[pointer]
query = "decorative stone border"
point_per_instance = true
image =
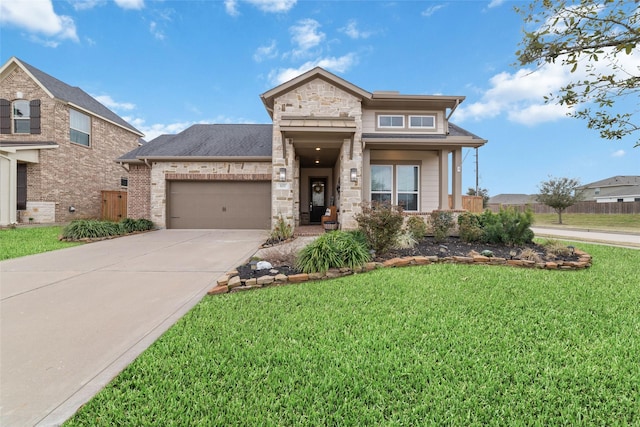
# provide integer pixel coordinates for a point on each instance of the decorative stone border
(231, 281)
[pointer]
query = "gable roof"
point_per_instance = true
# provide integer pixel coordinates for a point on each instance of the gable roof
(72, 95)
(512, 199)
(377, 99)
(614, 181)
(208, 141)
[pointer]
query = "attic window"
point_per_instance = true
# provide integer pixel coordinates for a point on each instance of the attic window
(385, 121)
(422, 122)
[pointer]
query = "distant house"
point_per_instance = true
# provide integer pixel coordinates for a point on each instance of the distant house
(330, 144)
(614, 189)
(57, 148)
(512, 200)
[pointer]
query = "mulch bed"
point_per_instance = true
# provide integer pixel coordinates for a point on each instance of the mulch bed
(450, 247)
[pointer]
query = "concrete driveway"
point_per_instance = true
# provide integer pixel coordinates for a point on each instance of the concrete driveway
(72, 319)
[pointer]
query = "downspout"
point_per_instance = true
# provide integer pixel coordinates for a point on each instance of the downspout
(450, 113)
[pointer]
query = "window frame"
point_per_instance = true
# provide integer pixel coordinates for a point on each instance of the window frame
(25, 120)
(432, 116)
(380, 116)
(79, 131)
(415, 192)
(395, 192)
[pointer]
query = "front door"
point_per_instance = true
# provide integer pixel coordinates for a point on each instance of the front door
(318, 203)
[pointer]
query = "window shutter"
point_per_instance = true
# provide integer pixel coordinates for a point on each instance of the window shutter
(5, 116)
(34, 106)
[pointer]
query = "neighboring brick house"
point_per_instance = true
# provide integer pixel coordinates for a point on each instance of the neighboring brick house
(57, 146)
(330, 144)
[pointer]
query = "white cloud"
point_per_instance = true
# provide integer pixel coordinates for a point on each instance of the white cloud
(38, 16)
(231, 6)
(157, 33)
(338, 65)
(270, 6)
(495, 3)
(110, 103)
(432, 9)
(306, 34)
(87, 4)
(130, 4)
(619, 153)
(352, 31)
(266, 52)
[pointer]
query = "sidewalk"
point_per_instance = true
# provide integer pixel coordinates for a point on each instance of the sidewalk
(594, 236)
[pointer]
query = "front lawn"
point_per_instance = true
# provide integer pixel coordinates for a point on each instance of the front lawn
(22, 241)
(614, 222)
(434, 345)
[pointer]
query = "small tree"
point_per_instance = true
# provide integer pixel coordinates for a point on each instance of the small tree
(559, 194)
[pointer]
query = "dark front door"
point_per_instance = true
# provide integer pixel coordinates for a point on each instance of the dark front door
(22, 187)
(318, 198)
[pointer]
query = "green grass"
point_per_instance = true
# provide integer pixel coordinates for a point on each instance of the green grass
(432, 345)
(22, 241)
(615, 222)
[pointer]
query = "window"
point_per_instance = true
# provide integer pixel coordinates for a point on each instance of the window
(407, 196)
(124, 181)
(390, 121)
(21, 117)
(423, 122)
(381, 183)
(406, 189)
(80, 125)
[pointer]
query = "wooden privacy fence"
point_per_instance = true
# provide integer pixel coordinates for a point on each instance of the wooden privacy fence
(586, 207)
(114, 205)
(469, 203)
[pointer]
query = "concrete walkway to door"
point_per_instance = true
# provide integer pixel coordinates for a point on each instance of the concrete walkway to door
(72, 319)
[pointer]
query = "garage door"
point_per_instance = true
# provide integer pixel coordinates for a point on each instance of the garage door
(219, 204)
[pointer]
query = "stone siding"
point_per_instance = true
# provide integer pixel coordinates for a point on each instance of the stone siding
(72, 174)
(316, 98)
(200, 171)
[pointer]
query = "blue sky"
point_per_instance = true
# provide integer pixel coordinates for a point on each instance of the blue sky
(165, 65)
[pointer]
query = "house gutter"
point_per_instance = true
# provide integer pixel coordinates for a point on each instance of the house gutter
(206, 158)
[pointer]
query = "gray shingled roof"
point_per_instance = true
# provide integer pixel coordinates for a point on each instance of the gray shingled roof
(216, 140)
(512, 199)
(76, 96)
(614, 181)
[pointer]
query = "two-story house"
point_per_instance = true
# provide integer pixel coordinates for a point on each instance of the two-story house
(57, 148)
(331, 143)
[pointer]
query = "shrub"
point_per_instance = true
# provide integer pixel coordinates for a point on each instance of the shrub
(469, 225)
(508, 226)
(130, 225)
(556, 248)
(281, 231)
(405, 240)
(280, 255)
(416, 227)
(90, 229)
(380, 223)
(442, 223)
(336, 249)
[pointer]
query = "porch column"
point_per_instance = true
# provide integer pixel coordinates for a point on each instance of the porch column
(8, 190)
(456, 179)
(443, 188)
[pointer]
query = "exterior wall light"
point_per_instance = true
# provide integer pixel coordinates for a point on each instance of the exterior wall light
(354, 175)
(72, 209)
(283, 174)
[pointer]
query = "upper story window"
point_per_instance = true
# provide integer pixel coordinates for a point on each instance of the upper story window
(21, 116)
(389, 121)
(422, 122)
(80, 128)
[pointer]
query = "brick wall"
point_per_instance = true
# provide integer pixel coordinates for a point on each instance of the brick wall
(139, 193)
(72, 174)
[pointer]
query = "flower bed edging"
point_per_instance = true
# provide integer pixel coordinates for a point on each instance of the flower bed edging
(231, 281)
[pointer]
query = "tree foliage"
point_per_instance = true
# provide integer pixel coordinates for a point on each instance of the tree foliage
(559, 194)
(593, 37)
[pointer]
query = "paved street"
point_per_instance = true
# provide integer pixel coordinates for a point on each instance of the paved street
(620, 239)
